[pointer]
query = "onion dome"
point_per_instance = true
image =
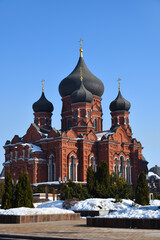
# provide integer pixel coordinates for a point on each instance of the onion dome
(43, 105)
(71, 83)
(120, 104)
(81, 95)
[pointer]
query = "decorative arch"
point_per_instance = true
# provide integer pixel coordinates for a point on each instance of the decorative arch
(122, 167)
(52, 168)
(128, 171)
(116, 165)
(72, 166)
(92, 162)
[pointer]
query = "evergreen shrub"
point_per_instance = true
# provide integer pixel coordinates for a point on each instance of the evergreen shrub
(142, 190)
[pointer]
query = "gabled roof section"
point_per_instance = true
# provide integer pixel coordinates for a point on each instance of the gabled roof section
(16, 139)
(121, 135)
(71, 134)
(54, 133)
(33, 133)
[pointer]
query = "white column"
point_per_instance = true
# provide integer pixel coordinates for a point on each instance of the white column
(69, 170)
(125, 172)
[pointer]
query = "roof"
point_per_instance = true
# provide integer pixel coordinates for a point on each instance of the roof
(120, 104)
(43, 105)
(72, 82)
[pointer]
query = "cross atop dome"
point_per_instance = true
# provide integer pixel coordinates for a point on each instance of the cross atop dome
(119, 84)
(43, 85)
(81, 50)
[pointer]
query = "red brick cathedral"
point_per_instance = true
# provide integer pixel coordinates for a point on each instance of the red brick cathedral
(50, 155)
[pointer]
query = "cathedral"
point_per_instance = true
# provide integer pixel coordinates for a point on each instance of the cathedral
(58, 155)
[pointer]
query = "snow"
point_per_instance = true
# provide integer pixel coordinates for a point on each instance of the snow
(52, 204)
(54, 183)
(151, 174)
(101, 134)
(34, 211)
(124, 209)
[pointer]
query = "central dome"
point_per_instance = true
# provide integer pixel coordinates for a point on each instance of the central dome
(71, 83)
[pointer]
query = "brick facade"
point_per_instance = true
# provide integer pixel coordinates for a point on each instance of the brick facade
(48, 154)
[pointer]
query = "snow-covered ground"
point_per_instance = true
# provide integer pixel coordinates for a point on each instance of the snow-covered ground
(124, 209)
(34, 211)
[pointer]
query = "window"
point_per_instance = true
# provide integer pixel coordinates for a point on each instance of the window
(23, 154)
(88, 114)
(128, 172)
(116, 166)
(76, 114)
(122, 167)
(95, 124)
(125, 121)
(51, 169)
(69, 124)
(47, 122)
(93, 164)
(29, 152)
(72, 169)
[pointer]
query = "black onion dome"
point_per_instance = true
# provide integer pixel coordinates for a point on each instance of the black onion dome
(120, 104)
(43, 105)
(71, 83)
(81, 95)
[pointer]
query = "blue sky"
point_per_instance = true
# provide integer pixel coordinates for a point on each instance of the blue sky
(39, 39)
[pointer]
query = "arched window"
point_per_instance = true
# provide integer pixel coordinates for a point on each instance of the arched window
(69, 124)
(125, 121)
(51, 169)
(122, 167)
(93, 164)
(73, 169)
(95, 124)
(128, 172)
(116, 166)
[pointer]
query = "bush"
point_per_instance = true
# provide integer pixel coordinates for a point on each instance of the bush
(71, 190)
(90, 180)
(23, 192)
(142, 191)
(7, 199)
(2, 184)
(119, 188)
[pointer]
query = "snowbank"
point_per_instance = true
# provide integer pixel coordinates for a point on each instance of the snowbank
(34, 211)
(124, 209)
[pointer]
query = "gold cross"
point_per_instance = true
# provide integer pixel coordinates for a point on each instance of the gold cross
(43, 85)
(119, 79)
(81, 77)
(80, 41)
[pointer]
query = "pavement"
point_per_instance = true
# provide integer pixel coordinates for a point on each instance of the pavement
(77, 230)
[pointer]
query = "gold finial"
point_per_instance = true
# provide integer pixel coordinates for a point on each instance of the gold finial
(119, 79)
(81, 50)
(81, 77)
(43, 85)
